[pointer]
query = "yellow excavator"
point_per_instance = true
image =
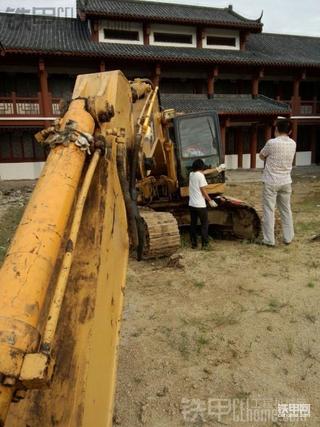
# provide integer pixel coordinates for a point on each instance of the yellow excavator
(116, 178)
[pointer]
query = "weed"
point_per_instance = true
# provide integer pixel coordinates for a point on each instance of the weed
(289, 343)
(311, 285)
(199, 284)
(274, 306)
(308, 353)
(201, 341)
(184, 345)
(311, 317)
(313, 264)
(307, 227)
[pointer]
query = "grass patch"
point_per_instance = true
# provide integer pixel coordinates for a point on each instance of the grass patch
(289, 345)
(274, 306)
(311, 285)
(199, 285)
(8, 225)
(184, 345)
(201, 342)
(307, 227)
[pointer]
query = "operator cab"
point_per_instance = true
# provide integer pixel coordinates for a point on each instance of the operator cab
(197, 135)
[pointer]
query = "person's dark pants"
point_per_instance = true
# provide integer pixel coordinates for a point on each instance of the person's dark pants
(201, 213)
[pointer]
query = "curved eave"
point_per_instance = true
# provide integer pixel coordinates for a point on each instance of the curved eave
(254, 26)
(158, 58)
(254, 113)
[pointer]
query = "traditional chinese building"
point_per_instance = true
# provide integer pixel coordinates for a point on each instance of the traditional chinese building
(201, 57)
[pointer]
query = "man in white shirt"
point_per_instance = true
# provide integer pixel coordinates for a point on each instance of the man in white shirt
(197, 202)
(278, 154)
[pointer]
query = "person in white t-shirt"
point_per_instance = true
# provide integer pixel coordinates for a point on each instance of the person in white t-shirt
(278, 154)
(197, 202)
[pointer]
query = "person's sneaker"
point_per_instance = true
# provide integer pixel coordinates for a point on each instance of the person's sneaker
(206, 247)
(258, 241)
(194, 246)
(287, 243)
(267, 244)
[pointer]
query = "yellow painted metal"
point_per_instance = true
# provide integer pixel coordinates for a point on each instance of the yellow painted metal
(87, 338)
(6, 394)
(29, 263)
(55, 307)
(218, 188)
(149, 111)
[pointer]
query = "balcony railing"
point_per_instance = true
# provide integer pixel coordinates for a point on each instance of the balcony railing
(24, 107)
(305, 108)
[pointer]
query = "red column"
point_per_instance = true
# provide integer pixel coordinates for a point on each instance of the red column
(295, 97)
(102, 66)
(200, 36)
(313, 143)
(253, 146)
(267, 132)
(95, 31)
(146, 33)
(214, 73)
(239, 144)
(223, 139)
(157, 73)
(255, 87)
(43, 76)
(243, 39)
(210, 85)
(255, 83)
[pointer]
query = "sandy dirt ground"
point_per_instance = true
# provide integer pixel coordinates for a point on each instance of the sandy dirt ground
(226, 335)
(236, 327)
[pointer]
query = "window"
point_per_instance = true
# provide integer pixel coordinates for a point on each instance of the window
(172, 35)
(172, 38)
(20, 146)
(121, 32)
(121, 35)
(221, 41)
(198, 138)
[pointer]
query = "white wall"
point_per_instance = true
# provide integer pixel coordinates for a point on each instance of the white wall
(231, 161)
(303, 158)
(24, 170)
(259, 163)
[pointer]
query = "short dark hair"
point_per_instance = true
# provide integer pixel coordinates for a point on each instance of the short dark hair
(198, 165)
(284, 126)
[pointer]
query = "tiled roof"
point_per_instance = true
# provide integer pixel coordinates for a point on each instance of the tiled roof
(167, 12)
(63, 36)
(228, 104)
(41, 34)
(286, 48)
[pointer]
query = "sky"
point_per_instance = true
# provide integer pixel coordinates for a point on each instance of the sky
(300, 17)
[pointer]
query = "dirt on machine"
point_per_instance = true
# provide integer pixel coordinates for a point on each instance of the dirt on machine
(115, 181)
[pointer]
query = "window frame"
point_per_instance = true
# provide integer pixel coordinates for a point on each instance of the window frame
(211, 32)
(173, 29)
(120, 26)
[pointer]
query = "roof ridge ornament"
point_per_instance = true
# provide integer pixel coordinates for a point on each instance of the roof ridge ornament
(260, 17)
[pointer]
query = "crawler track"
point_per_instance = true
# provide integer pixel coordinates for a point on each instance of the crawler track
(162, 236)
